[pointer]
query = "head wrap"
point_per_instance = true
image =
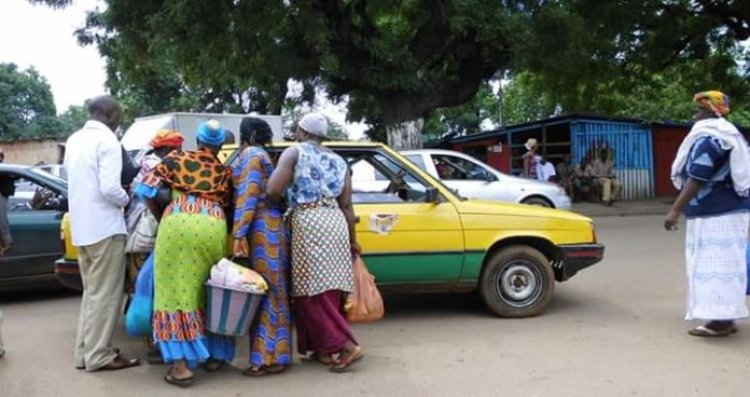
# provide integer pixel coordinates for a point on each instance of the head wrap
(531, 143)
(714, 101)
(167, 138)
(315, 124)
(211, 133)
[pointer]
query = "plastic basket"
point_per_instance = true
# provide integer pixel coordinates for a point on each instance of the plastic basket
(230, 312)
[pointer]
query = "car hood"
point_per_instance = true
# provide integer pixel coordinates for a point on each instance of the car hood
(483, 207)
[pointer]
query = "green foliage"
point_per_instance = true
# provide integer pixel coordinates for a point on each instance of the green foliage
(402, 60)
(525, 99)
(27, 109)
(466, 118)
(74, 118)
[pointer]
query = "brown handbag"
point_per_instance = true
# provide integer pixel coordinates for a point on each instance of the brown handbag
(364, 304)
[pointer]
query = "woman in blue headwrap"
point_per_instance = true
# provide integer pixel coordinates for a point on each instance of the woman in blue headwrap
(192, 237)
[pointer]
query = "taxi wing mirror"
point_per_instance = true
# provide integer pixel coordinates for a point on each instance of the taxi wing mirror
(432, 195)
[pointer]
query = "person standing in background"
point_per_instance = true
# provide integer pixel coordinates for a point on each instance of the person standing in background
(531, 159)
(7, 189)
(93, 161)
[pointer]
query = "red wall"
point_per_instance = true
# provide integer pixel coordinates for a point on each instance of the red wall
(499, 161)
(666, 142)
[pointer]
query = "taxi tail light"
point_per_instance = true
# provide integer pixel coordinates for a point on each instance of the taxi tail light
(62, 243)
(594, 238)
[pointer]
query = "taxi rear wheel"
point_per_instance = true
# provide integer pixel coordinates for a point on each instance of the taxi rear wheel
(517, 281)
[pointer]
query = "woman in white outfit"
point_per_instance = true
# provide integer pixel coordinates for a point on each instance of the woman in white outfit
(712, 170)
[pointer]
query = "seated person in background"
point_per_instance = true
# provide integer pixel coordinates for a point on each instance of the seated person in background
(584, 181)
(566, 175)
(604, 173)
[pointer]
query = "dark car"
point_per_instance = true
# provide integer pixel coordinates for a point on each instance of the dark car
(35, 212)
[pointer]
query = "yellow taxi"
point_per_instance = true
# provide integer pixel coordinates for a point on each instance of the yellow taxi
(419, 235)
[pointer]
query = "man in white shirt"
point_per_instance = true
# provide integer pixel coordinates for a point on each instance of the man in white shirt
(93, 160)
(545, 170)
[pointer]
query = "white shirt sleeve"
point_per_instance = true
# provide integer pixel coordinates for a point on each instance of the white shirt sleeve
(109, 157)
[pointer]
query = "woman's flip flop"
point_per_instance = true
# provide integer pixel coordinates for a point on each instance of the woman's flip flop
(178, 382)
(706, 332)
(324, 360)
(345, 363)
(270, 370)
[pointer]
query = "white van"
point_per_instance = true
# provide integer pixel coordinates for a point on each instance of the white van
(140, 133)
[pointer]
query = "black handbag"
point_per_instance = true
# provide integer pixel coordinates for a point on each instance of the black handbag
(163, 196)
(129, 168)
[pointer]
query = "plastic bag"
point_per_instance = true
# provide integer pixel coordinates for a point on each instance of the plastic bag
(140, 312)
(143, 238)
(232, 275)
(364, 304)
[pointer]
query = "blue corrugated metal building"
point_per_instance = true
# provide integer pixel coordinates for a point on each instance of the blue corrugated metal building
(627, 141)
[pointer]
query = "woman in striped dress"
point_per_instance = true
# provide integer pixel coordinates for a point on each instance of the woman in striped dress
(259, 234)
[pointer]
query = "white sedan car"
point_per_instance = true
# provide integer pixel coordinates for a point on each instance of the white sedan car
(475, 179)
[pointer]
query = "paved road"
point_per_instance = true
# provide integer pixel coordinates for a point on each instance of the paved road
(614, 330)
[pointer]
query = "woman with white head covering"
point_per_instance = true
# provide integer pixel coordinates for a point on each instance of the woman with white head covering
(712, 172)
(319, 193)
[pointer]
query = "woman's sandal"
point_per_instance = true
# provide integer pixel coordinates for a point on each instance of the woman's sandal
(169, 378)
(214, 365)
(267, 370)
(707, 332)
(324, 360)
(344, 363)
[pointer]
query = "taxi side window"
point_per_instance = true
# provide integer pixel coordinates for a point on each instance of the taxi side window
(378, 179)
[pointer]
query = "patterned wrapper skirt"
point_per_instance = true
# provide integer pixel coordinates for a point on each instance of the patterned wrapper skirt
(271, 334)
(192, 238)
(321, 251)
(715, 250)
(322, 274)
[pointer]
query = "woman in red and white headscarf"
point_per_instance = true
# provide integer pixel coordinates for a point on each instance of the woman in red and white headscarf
(712, 170)
(165, 142)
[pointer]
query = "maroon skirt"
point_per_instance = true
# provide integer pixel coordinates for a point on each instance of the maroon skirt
(321, 323)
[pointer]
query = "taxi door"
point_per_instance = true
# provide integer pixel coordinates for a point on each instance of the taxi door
(408, 233)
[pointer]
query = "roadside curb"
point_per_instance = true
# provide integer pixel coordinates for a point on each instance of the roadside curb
(624, 209)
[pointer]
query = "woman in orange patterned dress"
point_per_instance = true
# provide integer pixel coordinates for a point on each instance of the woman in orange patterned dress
(191, 238)
(259, 234)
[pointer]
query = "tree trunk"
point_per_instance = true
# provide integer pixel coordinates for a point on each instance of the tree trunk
(406, 135)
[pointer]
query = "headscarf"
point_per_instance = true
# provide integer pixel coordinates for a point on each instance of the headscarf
(168, 139)
(211, 133)
(530, 144)
(714, 101)
(315, 124)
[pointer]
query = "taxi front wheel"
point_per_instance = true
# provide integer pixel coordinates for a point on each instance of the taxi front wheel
(517, 281)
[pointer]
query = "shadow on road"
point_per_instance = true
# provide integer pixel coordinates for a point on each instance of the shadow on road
(36, 294)
(431, 305)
